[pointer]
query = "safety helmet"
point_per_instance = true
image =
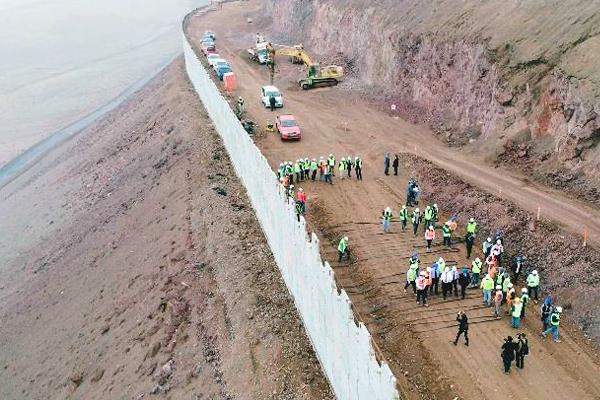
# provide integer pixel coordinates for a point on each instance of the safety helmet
(498, 241)
(356, 158)
(346, 238)
(446, 269)
(416, 210)
(489, 239)
(388, 209)
(498, 287)
(428, 269)
(477, 259)
(321, 157)
(524, 290)
(281, 179)
(291, 186)
(510, 285)
(435, 205)
(472, 219)
(558, 309)
(330, 155)
(422, 273)
(454, 268)
(300, 190)
(314, 159)
(428, 207)
(440, 260)
(347, 158)
(430, 226)
(343, 159)
(403, 207)
(534, 272)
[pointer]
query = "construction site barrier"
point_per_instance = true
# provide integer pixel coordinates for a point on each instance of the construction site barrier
(344, 347)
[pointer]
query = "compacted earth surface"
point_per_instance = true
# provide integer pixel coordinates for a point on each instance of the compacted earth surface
(133, 267)
(417, 341)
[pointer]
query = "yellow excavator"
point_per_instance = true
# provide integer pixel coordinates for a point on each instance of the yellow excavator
(316, 75)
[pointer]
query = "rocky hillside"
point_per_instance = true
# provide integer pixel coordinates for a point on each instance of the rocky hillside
(516, 80)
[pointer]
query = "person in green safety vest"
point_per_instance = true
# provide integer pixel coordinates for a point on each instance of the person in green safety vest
(331, 163)
(306, 164)
(487, 285)
(416, 220)
(343, 248)
(533, 284)
(471, 226)
(447, 234)
(412, 272)
(554, 320)
(313, 169)
(297, 170)
(524, 300)
(289, 171)
(475, 272)
(403, 216)
(428, 217)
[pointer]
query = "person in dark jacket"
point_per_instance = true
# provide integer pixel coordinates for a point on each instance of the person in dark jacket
(463, 280)
(272, 102)
(463, 327)
(522, 349)
(386, 164)
(546, 309)
(469, 241)
(395, 164)
(508, 353)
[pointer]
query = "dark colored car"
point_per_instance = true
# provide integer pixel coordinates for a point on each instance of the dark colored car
(222, 70)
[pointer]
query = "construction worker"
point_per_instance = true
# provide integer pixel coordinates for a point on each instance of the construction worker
(436, 213)
(522, 349)
(511, 296)
(301, 197)
(455, 276)
(486, 247)
(306, 168)
(434, 277)
(280, 171)
(516, 309)
(475, 272)
(428, 217)
(395, 164)
(322, 169)
(328, 173)
(403, 216)
(554, 322)
(386, 217)
(289, 171)
(386, 163)
(297, 170)
(259, 38)
(506, 284)
(349, 165)
(471, 227)
(524, 301)
(239, 107)
(291, 193)
(447, 277)
(429, 237)
(498, 251)
(545, 311)
(533, 284)
(342, 167)
(463, 280)
(508, 353)
(498, 296)
(343, 248)
(487, 285)
(331, 163)
(299, 209)
(411, 274)
(416, 220)
(469, 242)
(491, 265)
(358, 168)
(517, 266)
(421, 284)
(447, 234)
(313, 169)
(463, 327)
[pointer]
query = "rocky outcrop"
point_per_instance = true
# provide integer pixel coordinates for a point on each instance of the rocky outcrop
(491, 75)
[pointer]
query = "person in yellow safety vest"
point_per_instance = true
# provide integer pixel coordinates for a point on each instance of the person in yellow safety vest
(411, 276)
(297, 170)
(403, 216)
(533, 284)
(475, 272)
(471, 226)
(447, 234)
(331, 163)
(421, 285)
(487, 285)
(554, 323)
(524, 300)
(343, 248)
(313, 169)
(517, 308)
(342, 168)
(505, 285)
(306, 168)
(428, 217)
(416, 220)
(386, 217)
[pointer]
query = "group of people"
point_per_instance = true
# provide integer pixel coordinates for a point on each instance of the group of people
(305, 169)
(514, 351)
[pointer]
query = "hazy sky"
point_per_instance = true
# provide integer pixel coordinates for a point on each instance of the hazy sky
(61, 59)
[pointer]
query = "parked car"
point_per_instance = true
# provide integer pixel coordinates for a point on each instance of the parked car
(210, 34)
(266, 92)
(208, 48)
(287, 127)
(219, 62)
(210, 58)
(222, 70)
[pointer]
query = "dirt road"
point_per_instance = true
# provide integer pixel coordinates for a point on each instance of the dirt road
(416, 341)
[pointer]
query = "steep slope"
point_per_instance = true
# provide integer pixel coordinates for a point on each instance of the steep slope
(516, 81)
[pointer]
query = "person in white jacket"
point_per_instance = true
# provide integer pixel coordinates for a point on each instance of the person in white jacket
(447, 278)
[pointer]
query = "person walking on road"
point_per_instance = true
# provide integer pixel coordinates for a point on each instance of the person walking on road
(545, 311)
(463, 327)
(516, 309)
(421, 284)
(533, 284)
(487, 285)
(446, 234)
(498, 296)
(427, 217)
(463, 280)
(331, 163)
(434, 277)
(358, 168)
(522, 349)
(403, 216)
(386, 163)
(395, 164)
(554, 322)
(475, 272)
(416, 220)
(386, 217)
(508, 354)
(343, 248)
(429, 237)
(524, 301)
(272, 102)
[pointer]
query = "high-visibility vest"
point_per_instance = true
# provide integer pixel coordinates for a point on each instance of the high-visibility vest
(446, 231)
(487, 284)
(331, 161)
(416, 216)
(297, 167)
(387, 215)
(342, 246)
(533, 280)
(505, 284)
(476, 267)
(555, 319)
(517, 308)
(429, 234)
(524, 298)
(313, 165)
(403, 214)
(428, 214)
(471, 227)
(411, 274)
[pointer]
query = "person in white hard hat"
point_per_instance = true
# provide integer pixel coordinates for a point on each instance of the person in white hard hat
(343, 248)
(486, 247)
(386, 219)
(498, 296)
(421, 284)
(533, 284)
(524, 300)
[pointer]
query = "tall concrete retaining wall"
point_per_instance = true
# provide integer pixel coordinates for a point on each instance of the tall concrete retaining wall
(343, 347)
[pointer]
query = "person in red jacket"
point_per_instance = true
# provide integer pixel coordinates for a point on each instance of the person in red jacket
(429, 237)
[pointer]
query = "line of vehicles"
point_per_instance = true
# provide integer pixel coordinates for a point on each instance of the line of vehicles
(209, 49)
